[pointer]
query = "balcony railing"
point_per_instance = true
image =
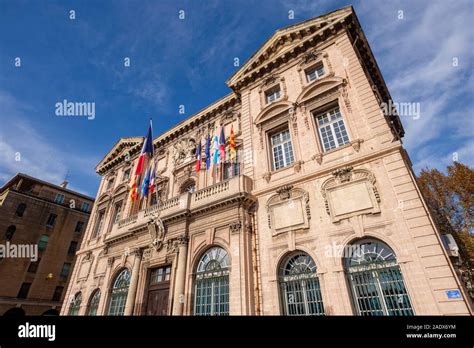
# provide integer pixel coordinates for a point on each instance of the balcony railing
(208, 196)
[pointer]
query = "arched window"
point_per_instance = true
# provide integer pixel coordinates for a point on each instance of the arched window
(299, 286)
(376, 280)
(75, 304)
(10, 232)
(188, 186)
(93, 303)
(20, 210)
(211, 293)
(119, 292)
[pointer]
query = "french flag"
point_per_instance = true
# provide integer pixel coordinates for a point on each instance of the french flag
(147, 150)
(198, 157)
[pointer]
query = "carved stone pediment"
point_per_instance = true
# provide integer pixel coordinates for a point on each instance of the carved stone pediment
(288, 210)
(350, 192)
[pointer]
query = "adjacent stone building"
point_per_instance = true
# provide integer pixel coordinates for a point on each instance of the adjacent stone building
(41, 226)
(320, 214)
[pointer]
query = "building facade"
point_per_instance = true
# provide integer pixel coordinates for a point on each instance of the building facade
(320, 214)
(41, 227)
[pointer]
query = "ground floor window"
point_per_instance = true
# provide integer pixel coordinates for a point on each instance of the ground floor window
(376, 280)
(94, 303)
(299, 286)
(119, 292)
(211, 292)
(75, 305)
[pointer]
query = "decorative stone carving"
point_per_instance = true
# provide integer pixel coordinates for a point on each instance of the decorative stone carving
(156, 229)
(267, 176)
(318, 158)
(345, 97)
(172, 245)
(147, 254)
(184, 150)
(235, 227)
(350, 192)
(288, 210)
(260, 135)
(297, 166)
(110, 261)
(356, 144)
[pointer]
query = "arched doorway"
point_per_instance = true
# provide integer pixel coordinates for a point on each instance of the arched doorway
(376, 280)
(14, 312)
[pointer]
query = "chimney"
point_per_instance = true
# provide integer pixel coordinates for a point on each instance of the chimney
(64, 184)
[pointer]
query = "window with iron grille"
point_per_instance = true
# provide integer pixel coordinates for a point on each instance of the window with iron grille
(75, 304)
(332, 130)
(94, 303)
(376, 280)
(119, 292)
(299, 286)
(282, 149)
(211, 290)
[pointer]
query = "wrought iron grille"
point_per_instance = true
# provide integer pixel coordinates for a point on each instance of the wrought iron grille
(299, 286)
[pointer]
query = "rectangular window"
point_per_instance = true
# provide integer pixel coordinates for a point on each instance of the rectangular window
(34, 266)
(25, 288)
(85, 206)
(126, 175)
(99, 223)
(72, 249)
(51, 220)
(159, 275)
(110, 184)
(332, 129)
(314, 73)
(43, 242)
(232, 169)
(282, 150)
(59, 198)
(65, 271)
(272, 94)
(117, 211)
(57, 293)
(79, 227)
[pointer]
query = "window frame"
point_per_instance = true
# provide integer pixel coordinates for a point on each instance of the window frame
(273, 90)
(61, 197)
(315, 68)
(41, 242)
(20, 209)
(85, 206)
(325, 111)
(270, 135)
(53, 217)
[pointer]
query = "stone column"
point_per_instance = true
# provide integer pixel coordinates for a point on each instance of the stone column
(132, 290)
(179, 282)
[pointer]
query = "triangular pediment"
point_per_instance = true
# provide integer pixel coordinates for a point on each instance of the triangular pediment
(119, 150)
(284, 41)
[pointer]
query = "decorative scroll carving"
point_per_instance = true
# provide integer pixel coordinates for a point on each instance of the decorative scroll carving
(267, 176)
(183, 149)
(288, 210)
(172, 245)
(318, 158)
(350, 192)
(156, 229)
(297, 166)
(235, 227)
(356, 144)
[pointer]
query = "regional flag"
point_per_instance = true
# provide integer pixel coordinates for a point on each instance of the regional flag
(215, 149)
(232, 151)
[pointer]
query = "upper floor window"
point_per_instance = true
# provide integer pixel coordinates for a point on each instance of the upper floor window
(110, 184)
(232, 169)
(65, 271)
(99, 223)
(57, 293)
(85, 206)
(282, 149)
(118, 211)
(59, 198)
(51, 220)
(72, 249)
(273, 94)
(20, 210)
(332, 129)
(33, 267)
(43, 242)
(126, 175)
(188, 186)
(314, 72)
(79, 226)
(10, 232)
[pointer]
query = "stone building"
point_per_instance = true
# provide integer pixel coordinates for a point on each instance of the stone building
(321, 213)
(41, 226)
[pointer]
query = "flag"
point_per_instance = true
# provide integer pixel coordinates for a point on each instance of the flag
(146, 183)
(232, 151)
(147, 151)
(152, 179)
(215, 149)
(198, 157)
(208, 152)
(133, 190)
(222, 145)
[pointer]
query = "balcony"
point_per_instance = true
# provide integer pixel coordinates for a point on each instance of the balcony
(210, 197)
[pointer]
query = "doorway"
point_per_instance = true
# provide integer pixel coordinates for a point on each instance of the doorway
(157, 296)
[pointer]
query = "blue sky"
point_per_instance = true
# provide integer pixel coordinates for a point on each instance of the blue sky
(186, 62)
